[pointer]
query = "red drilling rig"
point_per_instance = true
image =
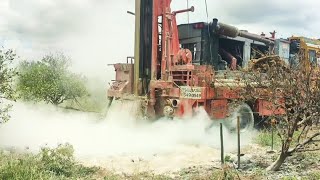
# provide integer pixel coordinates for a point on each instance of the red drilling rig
(163, 76)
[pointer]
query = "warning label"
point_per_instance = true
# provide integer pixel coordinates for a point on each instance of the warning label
(188, 92)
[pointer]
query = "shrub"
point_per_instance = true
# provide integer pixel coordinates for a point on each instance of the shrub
(61, 162)
(24, 168)
(7, 74)
(49, 80)
(58, 163)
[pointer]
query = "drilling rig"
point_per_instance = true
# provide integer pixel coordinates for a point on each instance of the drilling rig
(168, 79)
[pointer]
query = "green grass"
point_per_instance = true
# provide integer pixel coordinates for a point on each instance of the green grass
(57, 163)
(289, 178)
(264, 138)
(213, 173)
(148, 175)
(313, 176)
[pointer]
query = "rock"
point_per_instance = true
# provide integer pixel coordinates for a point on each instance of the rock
(247, 159)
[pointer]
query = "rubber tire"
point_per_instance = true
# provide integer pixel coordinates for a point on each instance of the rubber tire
(245, 113)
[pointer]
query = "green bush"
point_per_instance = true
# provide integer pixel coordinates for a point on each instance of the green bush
(227, 158)
(61, 162)
(7, 74)
(23, 168)
(58, 163)
(49, 80)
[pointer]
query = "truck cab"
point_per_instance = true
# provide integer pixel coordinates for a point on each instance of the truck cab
(218, 50)
(304, 51)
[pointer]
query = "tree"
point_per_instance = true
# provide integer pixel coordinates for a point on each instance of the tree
(7, 74)
(49, 80)
(297, 93)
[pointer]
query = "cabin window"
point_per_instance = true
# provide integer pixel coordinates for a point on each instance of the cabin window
(312, 56)
(195, 50)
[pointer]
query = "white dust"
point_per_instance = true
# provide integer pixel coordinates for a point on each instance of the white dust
(34, 126)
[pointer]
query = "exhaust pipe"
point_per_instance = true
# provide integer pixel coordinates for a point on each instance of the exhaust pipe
(232, 31)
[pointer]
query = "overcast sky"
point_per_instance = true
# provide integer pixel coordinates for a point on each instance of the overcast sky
(96, 33)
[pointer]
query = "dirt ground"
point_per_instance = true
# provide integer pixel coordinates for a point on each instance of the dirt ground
(165, 147)
(183, 157)
(189, 162)
(162, 163)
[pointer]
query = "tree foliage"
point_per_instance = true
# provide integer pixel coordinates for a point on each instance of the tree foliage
(296, 92)
(49, 80)
(7, 73)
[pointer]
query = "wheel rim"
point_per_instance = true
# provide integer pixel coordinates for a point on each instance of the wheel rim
(246, 118)
(245, 114)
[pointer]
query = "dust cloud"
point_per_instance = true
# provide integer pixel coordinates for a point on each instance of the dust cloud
(34, 126)
(105, 36)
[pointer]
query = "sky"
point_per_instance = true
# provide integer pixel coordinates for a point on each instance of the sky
(95, 33)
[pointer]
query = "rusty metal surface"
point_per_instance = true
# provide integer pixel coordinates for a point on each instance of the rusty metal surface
(266, 108)
(176, 86)
(219, 108)
(230, 58)
(137, 47)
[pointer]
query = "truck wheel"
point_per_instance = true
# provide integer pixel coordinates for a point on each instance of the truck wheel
(246, 118)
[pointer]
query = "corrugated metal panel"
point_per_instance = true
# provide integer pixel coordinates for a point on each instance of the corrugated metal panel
(282, 49)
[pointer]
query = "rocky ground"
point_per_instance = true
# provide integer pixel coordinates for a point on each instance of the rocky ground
(204, 163)
(162, 150)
